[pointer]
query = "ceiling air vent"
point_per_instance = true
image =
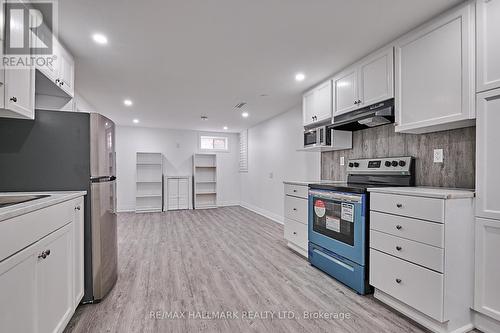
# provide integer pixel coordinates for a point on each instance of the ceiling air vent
(240, 105)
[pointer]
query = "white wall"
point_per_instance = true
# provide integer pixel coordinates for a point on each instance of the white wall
(273, 158)
(178, 147)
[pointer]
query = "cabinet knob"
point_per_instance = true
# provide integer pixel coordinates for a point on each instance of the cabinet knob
(399, 248)
(62, 83)
(13, 99)
(294, 191)
(294, 232)
(399, 205)
(57, 80)
(355, 102)
(399, 227)
(295, 209)
(44, 254)
(77, 208)
(398, 280)
(359, 101)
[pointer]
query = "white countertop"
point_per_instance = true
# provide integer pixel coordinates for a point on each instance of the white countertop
(306, 183)
(429, 192)
(30, 206)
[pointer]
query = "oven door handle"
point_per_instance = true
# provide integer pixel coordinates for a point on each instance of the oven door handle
(338, 262)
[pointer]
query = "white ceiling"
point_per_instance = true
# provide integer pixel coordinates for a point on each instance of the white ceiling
(180, 59)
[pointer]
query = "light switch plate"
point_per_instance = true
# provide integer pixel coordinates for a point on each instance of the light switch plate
(438, 155)
(342, 160)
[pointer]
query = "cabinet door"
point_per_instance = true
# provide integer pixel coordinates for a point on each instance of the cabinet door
(435, 74)
(17, 287)
(173, 193)
(183, 193)
(488, 155)
(486, 291)
(20, 91)
(78, 262)
(488, 44)
(66, 71)
(308, 108)
(323, 101)
(54, 280)
(346, 91)
(376, 77)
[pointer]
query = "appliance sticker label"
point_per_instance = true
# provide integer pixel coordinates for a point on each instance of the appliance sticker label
(333, 223)
(347, 212)
(319, 208)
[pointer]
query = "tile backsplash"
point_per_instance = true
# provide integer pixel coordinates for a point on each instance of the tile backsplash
(457, 169)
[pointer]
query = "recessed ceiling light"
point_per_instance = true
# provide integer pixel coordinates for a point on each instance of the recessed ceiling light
(300, 77)
(136, 121)
(100, 39)
(127, 102)
(225, 128)
(245, 114)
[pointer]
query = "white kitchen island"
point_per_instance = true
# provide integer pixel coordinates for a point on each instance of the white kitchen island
(41, 260)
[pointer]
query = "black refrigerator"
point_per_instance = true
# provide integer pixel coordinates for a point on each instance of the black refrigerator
(69, 151)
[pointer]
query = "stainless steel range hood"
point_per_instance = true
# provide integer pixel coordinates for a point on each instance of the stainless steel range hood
(371, 116)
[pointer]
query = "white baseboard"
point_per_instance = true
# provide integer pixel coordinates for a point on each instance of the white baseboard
(270, 215)
(485, 323)
(228, 203)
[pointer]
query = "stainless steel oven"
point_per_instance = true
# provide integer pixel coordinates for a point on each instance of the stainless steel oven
(318, 137)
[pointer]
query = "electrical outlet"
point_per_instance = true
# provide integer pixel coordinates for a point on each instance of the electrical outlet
(438, 156)
(342, 160)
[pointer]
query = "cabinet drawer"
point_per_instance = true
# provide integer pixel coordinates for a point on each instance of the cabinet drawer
(418, 253)
(421, 231)
(418, 207)
(296, 209)
(296, 233)
(20, 231)
(416, 286)
(300, 191)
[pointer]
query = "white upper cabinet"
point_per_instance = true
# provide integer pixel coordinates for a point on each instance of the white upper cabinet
(66, 73)
(488, 155)
(317, 104)
(367, 82)
(435, 74)
(376, 77)
(346, 91)
(488, 44)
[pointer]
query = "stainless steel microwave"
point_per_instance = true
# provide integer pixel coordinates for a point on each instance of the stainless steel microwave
(318, 137)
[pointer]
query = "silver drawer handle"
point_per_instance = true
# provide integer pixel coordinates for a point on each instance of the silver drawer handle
(399, 248)
(399, 227)
(399, 205)
(398, 280)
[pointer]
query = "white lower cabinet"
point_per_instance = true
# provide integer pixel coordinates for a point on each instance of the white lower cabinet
(296, 216)
(422, 255)
(486, 292)
(54, 285)
(42, 284)
(178, 193)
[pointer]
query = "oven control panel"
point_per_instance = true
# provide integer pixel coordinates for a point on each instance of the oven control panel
(393, 165)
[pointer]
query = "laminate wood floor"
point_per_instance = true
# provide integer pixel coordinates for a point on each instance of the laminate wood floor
(201, 264)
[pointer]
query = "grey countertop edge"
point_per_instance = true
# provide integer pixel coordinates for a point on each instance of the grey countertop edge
(426, 191)
(307, 183)
(27, 207)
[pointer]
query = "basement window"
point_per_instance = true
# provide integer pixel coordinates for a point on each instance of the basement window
(214, 143)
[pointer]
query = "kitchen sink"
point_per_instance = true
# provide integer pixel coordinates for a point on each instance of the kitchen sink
(10, 200)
